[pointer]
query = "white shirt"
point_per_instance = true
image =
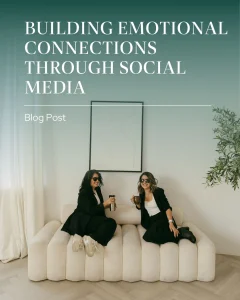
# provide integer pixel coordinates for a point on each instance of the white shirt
(96, 196)
(151, 207)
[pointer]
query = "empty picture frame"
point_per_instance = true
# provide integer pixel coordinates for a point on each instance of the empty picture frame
(116, 136)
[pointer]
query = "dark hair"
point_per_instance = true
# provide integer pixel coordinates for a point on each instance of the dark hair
(153, 182)
(86, 182)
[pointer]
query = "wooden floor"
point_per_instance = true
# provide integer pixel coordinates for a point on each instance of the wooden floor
(14, 285)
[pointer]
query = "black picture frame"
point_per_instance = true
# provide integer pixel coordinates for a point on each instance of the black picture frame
(137, 103)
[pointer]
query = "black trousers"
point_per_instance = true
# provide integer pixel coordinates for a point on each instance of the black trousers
(158, 231)
(101, 229)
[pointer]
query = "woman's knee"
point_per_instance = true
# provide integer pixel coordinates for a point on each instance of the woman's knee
(111, 223)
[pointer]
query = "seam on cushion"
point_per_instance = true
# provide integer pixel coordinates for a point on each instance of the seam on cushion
(178, 260)
(141, 250)
(122, 249)
(159, 272)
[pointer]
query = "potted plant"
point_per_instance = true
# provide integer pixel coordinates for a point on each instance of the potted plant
(227, 166)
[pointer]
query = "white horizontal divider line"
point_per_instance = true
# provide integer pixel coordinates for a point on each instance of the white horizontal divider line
(114, 105)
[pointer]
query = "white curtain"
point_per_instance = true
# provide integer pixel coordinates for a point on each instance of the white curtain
(21, 185)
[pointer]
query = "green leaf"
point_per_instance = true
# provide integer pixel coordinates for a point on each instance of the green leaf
(227, 166)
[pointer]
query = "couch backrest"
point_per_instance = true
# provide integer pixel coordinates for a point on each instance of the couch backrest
(124, 214)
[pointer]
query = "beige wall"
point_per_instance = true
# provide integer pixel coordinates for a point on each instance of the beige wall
(178, 149)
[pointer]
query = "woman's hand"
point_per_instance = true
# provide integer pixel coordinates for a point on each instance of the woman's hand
(108, 202)
(132, 199)
(173, 229)
(134, 202)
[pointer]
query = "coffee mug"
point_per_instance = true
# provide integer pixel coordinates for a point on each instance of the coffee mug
(136, 199)
(113, 205)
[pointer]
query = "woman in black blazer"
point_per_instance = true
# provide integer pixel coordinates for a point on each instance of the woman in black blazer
(156, 214)
(89, 220)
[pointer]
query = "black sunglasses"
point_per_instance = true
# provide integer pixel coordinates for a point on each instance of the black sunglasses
(95, 179)
(145, 180)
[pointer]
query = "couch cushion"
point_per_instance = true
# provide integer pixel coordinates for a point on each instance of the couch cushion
(124, 214)
(132, 254)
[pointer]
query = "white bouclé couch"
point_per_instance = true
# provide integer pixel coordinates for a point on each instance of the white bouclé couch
(126, 257)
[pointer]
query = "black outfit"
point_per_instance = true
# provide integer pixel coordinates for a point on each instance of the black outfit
(157, 226)
(89, 218)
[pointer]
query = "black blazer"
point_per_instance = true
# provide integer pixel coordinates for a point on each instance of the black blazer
(87, 208)
(162, 204)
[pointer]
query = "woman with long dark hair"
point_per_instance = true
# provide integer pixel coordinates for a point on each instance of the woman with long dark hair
(156, 214)
(88, 223)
